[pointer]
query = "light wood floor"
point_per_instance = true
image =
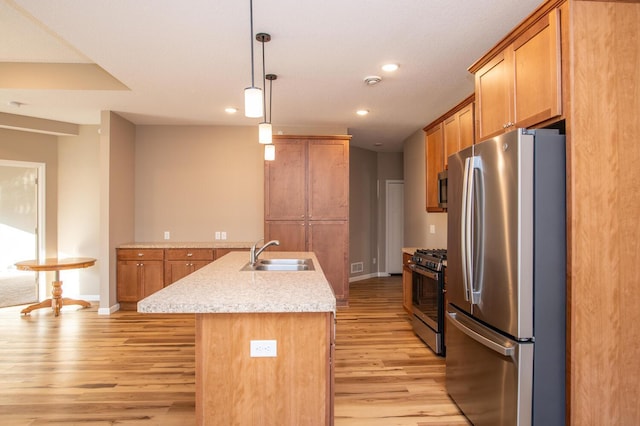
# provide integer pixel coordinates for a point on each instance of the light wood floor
(133, 369)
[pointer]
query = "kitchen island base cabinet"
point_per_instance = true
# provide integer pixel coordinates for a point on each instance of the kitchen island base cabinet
(295, 387)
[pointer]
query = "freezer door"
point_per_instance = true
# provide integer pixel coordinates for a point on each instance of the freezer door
(502, 233)
(488, 376)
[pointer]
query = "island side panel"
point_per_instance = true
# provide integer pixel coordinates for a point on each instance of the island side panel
(292, 388)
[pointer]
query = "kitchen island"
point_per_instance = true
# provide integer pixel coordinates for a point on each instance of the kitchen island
(264, 340)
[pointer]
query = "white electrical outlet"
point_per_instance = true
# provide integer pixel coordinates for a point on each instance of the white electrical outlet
(374, 260)
(217, 235)
(167, 235)
(223, 235)
(432, 229)
(264, 348)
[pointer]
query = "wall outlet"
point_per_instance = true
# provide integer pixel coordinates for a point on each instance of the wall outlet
(167, 235)
(432, 229)
(374, 260)
(217, 235)
(264, 348)
(223, 235)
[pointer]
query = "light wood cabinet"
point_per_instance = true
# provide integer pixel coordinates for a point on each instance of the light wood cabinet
(434, 149)
(521, 85)
(142, 272)
(307, 202)
(407, 283)
(451, 132)
(139, 274)
(181, 262)
(458, 131)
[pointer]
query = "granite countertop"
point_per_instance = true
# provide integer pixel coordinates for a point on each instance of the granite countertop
(221, 287)
(169, 245)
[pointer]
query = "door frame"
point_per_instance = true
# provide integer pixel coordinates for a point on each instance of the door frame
(40, 212)
(389, 225)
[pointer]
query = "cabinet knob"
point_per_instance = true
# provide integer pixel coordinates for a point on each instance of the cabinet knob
(189, 254)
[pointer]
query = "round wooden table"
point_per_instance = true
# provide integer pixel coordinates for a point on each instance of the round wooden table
(55, 264)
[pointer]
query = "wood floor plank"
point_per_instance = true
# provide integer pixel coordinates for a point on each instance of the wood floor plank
(138, 369)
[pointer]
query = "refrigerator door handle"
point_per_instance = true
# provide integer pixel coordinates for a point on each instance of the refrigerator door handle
(483, 340)
(465, 228)
(475, 189)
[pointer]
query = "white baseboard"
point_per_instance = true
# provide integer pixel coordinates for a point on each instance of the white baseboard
(367, 276)
(110, 310)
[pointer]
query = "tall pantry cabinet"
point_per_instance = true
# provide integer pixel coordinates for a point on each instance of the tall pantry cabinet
(307, 202)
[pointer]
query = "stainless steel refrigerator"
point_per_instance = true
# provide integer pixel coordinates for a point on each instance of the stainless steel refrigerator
(506, 284)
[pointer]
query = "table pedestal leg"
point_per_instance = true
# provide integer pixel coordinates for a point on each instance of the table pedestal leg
(57, 301)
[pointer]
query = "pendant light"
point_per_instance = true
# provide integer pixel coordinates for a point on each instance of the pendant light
(264, 128)
(270, 150)
(252, 95)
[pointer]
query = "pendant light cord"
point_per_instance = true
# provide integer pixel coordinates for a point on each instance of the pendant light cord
(264, 97)
(251, 37)
(270, 92)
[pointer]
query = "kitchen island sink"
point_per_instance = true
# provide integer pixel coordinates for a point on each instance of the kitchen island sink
(264, 338)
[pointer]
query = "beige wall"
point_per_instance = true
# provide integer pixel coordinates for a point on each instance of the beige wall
(363, 209)
(194, 181)
(79, 209)
(417, 221)
(117, 162)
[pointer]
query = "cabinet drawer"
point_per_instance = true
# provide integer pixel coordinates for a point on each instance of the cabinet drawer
(140, 254)
(189, 254)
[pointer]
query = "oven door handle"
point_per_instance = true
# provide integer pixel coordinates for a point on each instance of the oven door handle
(429, 274)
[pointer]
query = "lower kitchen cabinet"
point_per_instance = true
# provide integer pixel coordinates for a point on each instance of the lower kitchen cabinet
(181, 262)
(407, 282)
(139, 274)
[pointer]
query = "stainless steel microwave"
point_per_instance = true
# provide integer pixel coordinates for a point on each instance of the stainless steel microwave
(442, 189)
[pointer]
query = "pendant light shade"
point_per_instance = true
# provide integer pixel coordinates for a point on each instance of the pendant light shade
(253, 102)
(264, 133)
(270, 152)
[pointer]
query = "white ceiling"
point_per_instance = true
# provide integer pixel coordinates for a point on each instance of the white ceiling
(185, 61)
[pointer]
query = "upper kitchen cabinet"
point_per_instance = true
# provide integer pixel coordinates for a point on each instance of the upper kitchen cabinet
(458, 130)
(447, 135)
(286, 181)
(520, 84)
(307, 202)
(434, 149)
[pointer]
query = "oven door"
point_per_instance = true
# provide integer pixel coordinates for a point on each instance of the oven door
(428, 309)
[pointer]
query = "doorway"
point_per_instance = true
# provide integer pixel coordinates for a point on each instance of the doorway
(21, 202)
(394, 225)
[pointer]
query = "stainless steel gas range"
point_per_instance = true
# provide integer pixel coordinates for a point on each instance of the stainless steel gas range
(428, 297)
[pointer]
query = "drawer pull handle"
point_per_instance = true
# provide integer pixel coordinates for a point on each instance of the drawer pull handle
(140, 254)
(189, 254)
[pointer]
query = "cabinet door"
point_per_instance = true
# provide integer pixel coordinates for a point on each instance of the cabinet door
(285, 181)
(176, 269)
(451, 137)
(328, 180)
(537, 80)
(407, 289)
(494, 96)
(465, 120)
(151, 277)
(329, 241)
(127, 281)
(291, 234)
(434, 153)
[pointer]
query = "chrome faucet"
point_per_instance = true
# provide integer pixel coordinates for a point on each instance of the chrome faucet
(254, 254)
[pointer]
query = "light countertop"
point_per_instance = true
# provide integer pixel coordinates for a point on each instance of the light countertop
(221, 287)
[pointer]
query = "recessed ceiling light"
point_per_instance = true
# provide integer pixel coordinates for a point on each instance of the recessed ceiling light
(389, 67)
(231, 110)
(362, 112)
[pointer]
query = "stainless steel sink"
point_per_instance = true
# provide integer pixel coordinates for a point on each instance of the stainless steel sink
(280, 265)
